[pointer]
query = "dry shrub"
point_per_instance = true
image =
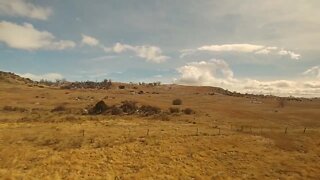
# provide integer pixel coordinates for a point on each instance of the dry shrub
(114, 110)
(188, 111)
(122, 87)
(177, 102)
(174, 110)
(59, 108)
(11, 108)
(148, 110)
(162, 116)
(99, 108)
(129, 107)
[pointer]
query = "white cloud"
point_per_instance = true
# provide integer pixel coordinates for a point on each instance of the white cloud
(313, 72)
(28, 38)
(266, 50)
(292, 55)
(88, 40)
(205, 72)
(48, 76)
(149, 53)
(218, 73)
(243, 48)
(24, 9)
(231, 47)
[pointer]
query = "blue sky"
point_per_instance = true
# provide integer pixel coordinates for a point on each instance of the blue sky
(246, 45)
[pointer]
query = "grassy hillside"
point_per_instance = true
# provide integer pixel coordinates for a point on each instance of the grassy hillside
(229, 135)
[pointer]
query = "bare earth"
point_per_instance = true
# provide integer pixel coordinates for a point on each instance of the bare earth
(227, 138)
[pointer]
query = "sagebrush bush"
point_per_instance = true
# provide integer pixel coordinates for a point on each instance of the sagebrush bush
(116, 110)
(174, 110)
(188, 111)
(11, 108)
(59, 108)
(148, 110)
(129, 107)
(177, 102)
(99, 108)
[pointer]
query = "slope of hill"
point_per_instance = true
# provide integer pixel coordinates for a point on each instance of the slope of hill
(8, 77)
(47, 133)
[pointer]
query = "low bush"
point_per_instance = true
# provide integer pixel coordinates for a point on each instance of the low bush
(148, 110)
(59, 108)
(114, 110)
(162, 116)
(174, 110)
(99, 108)
(11, 108)
(188, 111)
(129, 107)
(177, 102)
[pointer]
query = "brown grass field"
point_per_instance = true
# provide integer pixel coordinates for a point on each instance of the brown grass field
(228, 137)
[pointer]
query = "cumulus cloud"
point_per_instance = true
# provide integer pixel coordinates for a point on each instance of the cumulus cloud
(24, 9)
(48, 76)
(231, 47)
(205, 72)
(218, 73)
(291, 54)
(26, 37)
(88, 40)
(149, 53)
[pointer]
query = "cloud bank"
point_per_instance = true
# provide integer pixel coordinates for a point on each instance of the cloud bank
(23, 8)
(26, 37)
(241, 48)
(48, 76)
(218, 73)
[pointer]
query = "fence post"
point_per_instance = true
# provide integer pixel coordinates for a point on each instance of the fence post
(219, 131)
(83, 133)
(304, 131)
(148, 132)
(285, 131)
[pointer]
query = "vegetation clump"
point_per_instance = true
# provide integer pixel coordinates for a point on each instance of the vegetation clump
(10, 108)
(129, 107)
(177, 102)
(173, 110)
(148, 110)
(59, 108)
(114, 110)
(99, 108)
(188, 111)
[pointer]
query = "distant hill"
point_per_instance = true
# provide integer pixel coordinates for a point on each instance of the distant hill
(9, 77)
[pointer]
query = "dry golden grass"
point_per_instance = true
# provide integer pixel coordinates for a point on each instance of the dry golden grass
(227, 138)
